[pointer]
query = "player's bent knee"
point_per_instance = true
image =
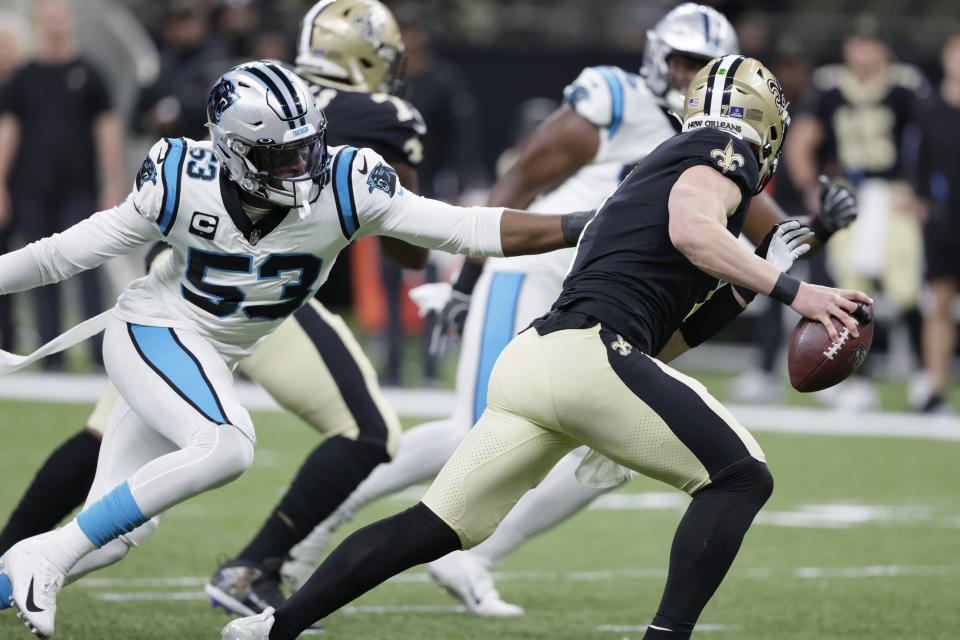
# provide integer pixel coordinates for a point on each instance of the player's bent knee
(228, 450)
(751, 477)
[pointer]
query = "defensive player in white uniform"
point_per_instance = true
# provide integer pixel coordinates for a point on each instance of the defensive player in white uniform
(256, 218)
(611, 119)
(349, 52)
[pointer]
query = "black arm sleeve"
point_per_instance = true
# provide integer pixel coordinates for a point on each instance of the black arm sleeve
(713, 315)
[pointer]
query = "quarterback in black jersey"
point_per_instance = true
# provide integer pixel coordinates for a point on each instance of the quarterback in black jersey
(586, 373)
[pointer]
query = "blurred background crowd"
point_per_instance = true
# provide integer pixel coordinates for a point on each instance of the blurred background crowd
(86, 87)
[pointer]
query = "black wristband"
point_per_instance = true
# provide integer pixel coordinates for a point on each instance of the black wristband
(785, 290)
(713, 315)
(819, 230)
(572, 225)
(468, 276)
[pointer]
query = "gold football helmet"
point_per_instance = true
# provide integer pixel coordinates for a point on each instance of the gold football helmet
(351, 44)
(740, 95)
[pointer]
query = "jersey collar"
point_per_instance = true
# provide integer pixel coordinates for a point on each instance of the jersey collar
(252, 233)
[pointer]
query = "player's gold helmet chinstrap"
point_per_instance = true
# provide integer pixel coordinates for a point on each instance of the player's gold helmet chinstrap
(353, 45)
(740, 95)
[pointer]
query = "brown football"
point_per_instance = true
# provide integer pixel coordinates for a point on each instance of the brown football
(816, 363)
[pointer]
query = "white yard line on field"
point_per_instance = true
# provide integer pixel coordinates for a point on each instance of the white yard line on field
(604, 575)
(434, 403)
(405, 608)
(701, 628)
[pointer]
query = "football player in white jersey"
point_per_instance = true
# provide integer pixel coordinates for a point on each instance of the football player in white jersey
(610, 120)
(256, 218)
(349, 52)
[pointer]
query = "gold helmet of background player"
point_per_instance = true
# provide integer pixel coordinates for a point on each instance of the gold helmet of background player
(740, 95)
(351, 44)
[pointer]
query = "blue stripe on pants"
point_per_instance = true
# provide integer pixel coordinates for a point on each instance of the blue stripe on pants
(166, 355)
(498, 324)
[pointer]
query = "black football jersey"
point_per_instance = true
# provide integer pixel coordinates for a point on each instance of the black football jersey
(627, 274)
(866, 123)
(389, 125)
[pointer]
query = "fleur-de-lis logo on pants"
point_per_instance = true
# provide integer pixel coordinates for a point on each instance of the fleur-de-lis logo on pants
(621, 346)
(727, 160)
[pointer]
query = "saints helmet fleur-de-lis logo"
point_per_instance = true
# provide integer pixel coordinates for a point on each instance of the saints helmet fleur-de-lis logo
(727, 160)
(621, 346)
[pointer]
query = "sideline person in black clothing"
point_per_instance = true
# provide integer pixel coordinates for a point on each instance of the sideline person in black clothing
(939, 186)
(57, 119)
(11, 52)
(585, 373)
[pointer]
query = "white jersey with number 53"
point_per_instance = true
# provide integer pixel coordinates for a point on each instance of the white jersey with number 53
(231, 280)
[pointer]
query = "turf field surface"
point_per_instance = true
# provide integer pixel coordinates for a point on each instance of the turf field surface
(860, 540)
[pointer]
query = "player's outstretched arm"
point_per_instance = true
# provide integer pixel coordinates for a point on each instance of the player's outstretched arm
(558, 148)
(85, 245)
(699, 204)
(783, 244)
(403, 253)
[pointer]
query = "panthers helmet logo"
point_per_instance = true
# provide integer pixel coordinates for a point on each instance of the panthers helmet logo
(383, 177)
(221, 98)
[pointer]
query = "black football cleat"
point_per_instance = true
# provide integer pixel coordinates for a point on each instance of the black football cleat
(249, 588)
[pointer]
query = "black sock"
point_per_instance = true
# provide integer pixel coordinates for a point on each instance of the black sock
(327, 477)
(706, 542)
(60, 486)
(364, 560)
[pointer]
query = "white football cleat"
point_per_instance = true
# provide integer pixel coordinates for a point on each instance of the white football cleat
(251, 628)
(36, 582)
(467, 578)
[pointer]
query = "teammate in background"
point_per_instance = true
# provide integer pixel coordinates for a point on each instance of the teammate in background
(336, 389)
(939, 186)
(860, 119)
(657, 246)
(256, 218)
(610, 120)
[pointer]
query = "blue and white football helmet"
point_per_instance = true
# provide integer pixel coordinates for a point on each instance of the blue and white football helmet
(268, 132)
(692, 30)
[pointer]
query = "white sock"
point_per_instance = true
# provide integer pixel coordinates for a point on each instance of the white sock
(555, 499)
(66, 545)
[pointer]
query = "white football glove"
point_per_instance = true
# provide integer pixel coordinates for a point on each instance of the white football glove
(785, 243)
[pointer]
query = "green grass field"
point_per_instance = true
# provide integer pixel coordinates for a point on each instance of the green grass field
(860, 540)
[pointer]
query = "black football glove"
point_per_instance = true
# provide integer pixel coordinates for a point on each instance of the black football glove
(453, 314)
(838, 208)
(449, 321)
